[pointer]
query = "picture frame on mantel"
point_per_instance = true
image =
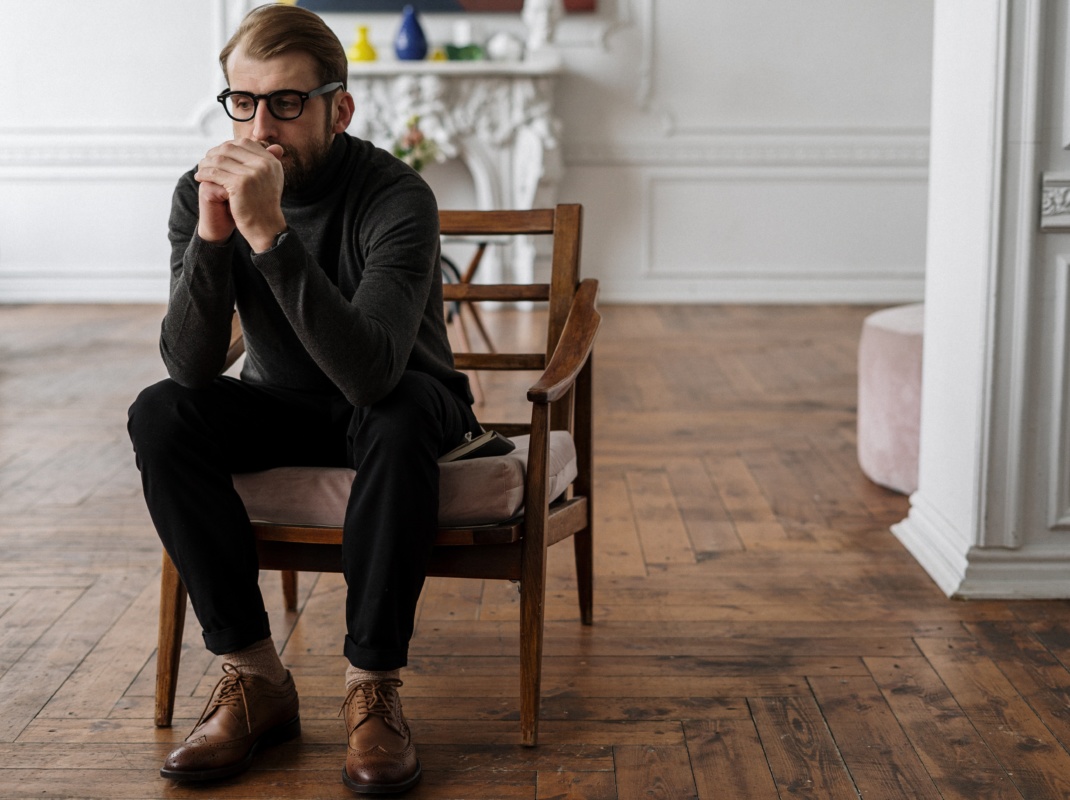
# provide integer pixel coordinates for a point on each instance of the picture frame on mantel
(434, 6)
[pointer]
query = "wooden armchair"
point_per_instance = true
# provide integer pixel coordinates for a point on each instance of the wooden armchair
(511, 549)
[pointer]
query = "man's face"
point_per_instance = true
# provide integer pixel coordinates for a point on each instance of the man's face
(305, 140)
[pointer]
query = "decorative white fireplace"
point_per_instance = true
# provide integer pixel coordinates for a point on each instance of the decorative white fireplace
(495, 117)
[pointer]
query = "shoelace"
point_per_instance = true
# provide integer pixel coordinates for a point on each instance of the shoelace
(227, 692)
(375, 699)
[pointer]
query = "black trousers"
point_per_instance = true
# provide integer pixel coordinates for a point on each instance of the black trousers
(188, 442)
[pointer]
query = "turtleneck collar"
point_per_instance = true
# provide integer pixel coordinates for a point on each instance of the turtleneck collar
(317, 188)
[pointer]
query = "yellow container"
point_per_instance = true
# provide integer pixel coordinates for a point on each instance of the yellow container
(362, 49)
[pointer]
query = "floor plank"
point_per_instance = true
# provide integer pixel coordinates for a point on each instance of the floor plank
(802, 755)
(1010, 728)
(954, 754)
(872, 744)
(728, 760)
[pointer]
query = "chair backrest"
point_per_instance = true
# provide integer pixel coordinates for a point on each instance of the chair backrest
(564, 224)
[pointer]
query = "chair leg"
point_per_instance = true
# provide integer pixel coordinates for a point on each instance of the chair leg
(169, 647)
(289, 588)
(533, 576)
(531, 632)
(584, 547)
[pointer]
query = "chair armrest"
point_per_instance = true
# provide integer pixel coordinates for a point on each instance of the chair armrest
(237, 343)
(574, 347)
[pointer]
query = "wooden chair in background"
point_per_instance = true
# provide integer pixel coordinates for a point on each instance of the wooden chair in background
(511, 549)
(456, 310)
(456, 313)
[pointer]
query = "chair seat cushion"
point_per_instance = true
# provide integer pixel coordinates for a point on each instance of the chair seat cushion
(478, 491)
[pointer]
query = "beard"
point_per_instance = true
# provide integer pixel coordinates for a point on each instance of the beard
(300, 168)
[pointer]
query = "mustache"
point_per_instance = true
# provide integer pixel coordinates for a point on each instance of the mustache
(287, 149)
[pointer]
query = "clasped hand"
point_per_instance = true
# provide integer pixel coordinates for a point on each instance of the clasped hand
(241, 185)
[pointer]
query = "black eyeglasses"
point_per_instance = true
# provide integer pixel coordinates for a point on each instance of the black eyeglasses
(284, 104)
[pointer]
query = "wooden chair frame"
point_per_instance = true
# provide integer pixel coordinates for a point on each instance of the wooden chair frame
(560, 399)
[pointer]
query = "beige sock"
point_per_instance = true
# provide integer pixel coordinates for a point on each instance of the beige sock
(356, 675)
(259, 660)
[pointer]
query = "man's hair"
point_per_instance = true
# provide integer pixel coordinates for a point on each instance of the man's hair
(272, 30)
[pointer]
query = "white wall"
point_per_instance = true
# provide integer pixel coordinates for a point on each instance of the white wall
(767, 150)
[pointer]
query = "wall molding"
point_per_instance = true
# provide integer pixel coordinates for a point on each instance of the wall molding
(1055, 202)
(648, 270)
(648, 102)
(1064, 134)
(907, 149)
(1059, 454)
(594, 31)
(30, 161)
(788, 288)
(57, 152)
(645, 90)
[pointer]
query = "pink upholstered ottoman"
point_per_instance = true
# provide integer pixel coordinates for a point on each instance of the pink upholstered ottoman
(889, 396)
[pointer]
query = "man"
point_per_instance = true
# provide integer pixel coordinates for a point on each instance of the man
(328, 247)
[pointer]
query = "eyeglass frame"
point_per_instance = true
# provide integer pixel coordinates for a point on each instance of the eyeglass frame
(222, 97)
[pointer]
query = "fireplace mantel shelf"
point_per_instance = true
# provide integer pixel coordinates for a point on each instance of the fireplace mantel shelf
(543, 66)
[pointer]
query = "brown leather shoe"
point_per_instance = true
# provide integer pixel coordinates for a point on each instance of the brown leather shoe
(244, 713)
(381, 758)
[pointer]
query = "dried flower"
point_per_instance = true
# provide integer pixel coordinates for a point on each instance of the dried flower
(414, 148)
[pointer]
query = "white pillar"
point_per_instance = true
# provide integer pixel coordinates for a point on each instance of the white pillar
(991, 517)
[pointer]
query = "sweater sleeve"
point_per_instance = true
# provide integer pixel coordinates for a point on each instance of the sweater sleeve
(363, 344)
(195, 333)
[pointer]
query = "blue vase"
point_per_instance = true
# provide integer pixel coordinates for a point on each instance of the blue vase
(410, 44)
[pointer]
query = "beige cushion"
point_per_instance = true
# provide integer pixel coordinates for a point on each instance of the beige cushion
(478, 491)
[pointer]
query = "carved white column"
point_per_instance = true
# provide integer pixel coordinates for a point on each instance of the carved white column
(991, 517)
(497, 118)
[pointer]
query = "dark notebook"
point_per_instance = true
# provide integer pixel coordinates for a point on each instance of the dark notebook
(490, 443)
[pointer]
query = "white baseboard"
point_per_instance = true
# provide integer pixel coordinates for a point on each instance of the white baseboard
(137, 287)
(930, 538)
(999, 574)
(973, 573)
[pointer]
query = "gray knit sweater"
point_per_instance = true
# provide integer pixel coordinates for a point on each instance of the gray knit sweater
(349, 300)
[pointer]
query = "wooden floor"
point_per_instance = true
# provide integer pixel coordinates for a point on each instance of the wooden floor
(758, 631)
